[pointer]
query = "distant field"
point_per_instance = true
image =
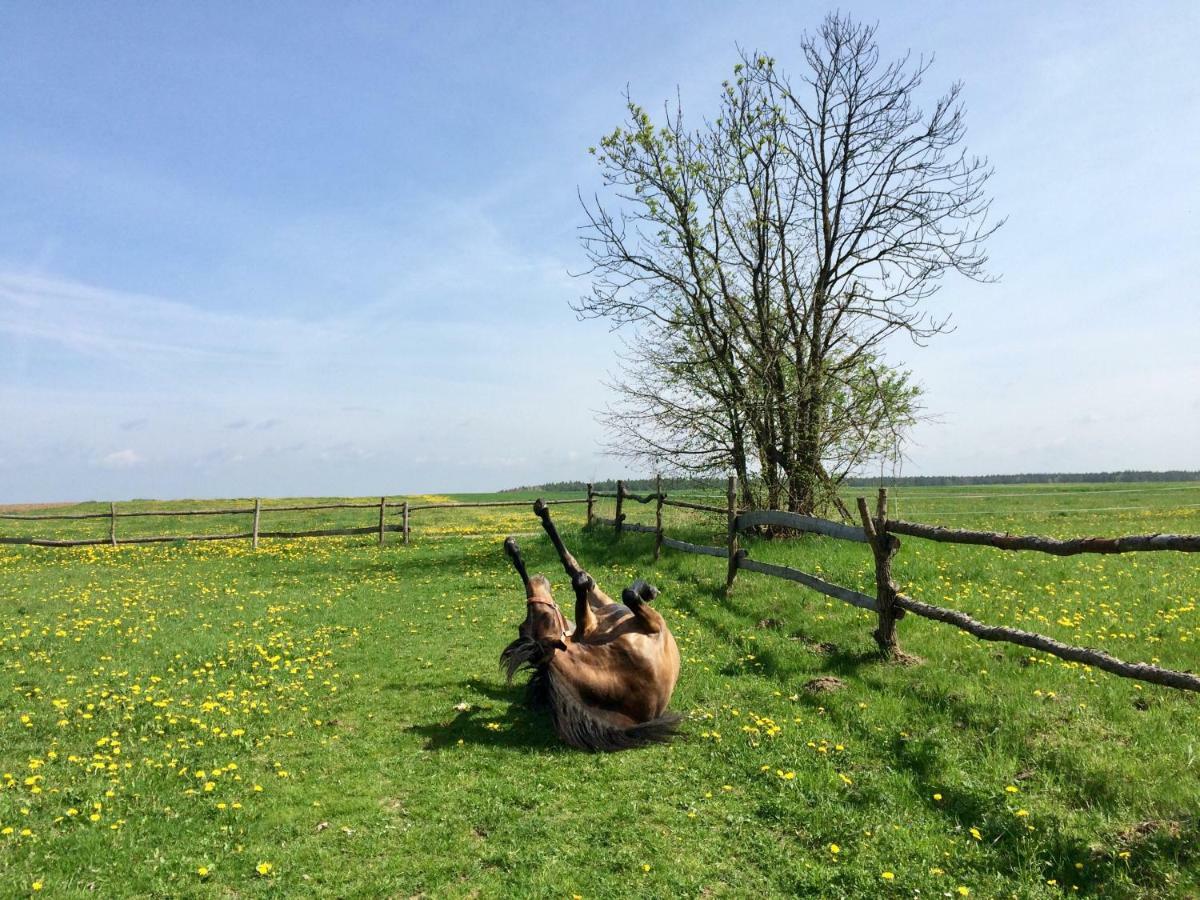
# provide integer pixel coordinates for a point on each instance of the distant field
(325, 717)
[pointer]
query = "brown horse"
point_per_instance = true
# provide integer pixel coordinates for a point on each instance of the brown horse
(606, 680)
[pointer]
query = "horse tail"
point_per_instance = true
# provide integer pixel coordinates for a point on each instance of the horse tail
(578, 726)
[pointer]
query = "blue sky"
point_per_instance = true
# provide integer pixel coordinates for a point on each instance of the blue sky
(270, 249)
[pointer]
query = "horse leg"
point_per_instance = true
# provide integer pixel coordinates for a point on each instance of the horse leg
(573, 569)
(514, 553)
(543, 512)
(585, 620)
(638, 597)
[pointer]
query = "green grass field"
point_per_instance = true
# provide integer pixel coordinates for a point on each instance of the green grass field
(326, 717)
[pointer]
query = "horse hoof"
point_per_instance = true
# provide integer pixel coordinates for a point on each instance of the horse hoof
(646, 591)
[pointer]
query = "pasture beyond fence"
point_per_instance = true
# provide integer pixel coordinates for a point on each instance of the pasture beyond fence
(877, 532)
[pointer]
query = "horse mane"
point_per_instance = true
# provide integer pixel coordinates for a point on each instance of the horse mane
(574, 722)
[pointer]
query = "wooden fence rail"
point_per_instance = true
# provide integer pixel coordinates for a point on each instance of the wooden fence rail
(1187, 543)
(889, 604)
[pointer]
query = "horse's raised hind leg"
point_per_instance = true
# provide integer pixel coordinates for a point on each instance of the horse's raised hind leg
(514, 553)
(543, 512)
(638, 597)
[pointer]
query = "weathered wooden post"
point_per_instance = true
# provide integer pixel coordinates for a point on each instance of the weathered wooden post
(112, 524)
(731, 499)
(382, 513)
(590, 500)
(619, 518)
(884, 547)
(658, 505)
(257, 512)
(404, 524)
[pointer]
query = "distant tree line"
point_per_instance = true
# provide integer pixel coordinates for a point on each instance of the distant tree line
(640, 485)
(1129, 475)
(637, 485)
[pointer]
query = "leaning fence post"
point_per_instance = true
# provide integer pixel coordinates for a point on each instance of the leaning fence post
(112, 523)
(589, 504)
(658, 529)
(257, 511)
(619, 519)
(404, 524)
(382, 513)
(731, 498)
(883, 547)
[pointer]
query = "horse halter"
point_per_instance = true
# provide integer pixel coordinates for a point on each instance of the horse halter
(542, 601)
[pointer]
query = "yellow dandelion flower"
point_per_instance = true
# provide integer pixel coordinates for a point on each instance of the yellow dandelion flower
(887, 876)
(264, 868)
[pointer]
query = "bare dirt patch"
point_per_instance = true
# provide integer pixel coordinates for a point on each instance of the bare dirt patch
(826, 684)
(30, 507)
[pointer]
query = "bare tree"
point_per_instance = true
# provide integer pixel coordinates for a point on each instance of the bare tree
(767, 255)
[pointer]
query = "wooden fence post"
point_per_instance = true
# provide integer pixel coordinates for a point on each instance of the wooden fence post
(112, 524)
(884, 547)
(382, 513)
(658, 528)
(731, 498)
(404, 524)
(257, 511)
(589, 504)
(619, 518)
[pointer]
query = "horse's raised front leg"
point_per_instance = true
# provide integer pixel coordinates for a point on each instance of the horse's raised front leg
(514, 553)
(638, 597)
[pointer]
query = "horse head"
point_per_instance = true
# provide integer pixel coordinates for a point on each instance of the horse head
(545, 628)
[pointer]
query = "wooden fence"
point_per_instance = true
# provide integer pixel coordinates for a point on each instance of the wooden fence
(879, 532)
(379, 526)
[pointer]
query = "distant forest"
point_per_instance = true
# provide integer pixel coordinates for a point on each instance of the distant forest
(718, 484)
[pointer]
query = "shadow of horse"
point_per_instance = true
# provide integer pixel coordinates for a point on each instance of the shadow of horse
(515, 726)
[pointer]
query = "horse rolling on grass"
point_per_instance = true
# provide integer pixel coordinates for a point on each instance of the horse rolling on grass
(606, 680)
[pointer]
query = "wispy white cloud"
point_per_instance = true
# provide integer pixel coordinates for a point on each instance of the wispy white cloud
(122, 459)
(308, 405)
